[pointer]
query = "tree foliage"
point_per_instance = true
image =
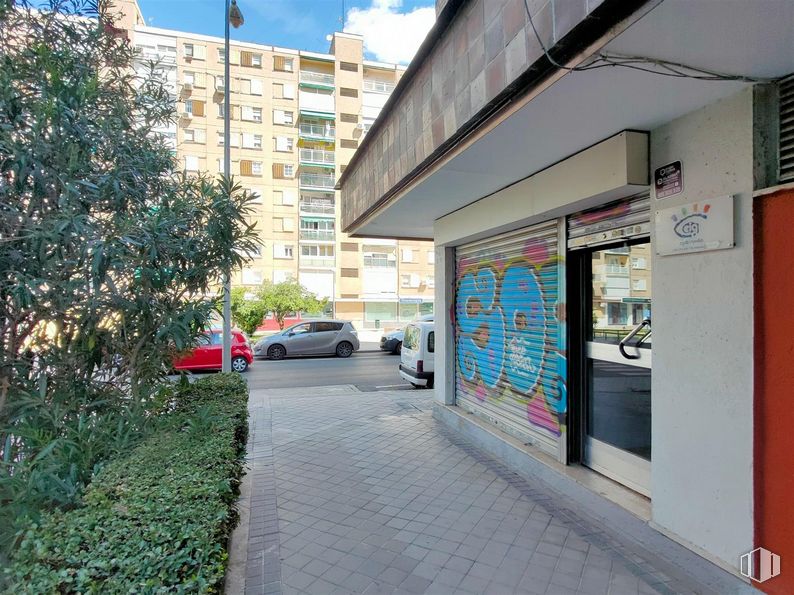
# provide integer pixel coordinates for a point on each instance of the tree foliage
(248, 311)
(289, 296)
(109, 260)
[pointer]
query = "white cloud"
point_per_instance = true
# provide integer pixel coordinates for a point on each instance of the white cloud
(391, 35)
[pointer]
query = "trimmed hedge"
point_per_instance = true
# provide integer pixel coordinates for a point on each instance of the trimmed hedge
(157, 519)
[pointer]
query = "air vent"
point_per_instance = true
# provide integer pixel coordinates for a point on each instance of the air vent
(787, 130)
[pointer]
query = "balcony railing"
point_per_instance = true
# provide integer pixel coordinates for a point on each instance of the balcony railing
(316, 78)
(317, 131)
(310, 207)
(616, 269)
(317, 181)
(321, 235)
(317, 156)
(378, 86)
(317, 261)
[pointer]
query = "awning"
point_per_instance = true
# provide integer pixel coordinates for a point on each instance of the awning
(320, 115)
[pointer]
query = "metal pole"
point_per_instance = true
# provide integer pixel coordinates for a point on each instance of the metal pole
(226, 362)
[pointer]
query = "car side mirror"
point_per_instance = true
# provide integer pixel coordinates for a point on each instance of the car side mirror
(291, 334)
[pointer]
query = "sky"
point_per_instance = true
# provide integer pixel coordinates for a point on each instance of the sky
(392, 29)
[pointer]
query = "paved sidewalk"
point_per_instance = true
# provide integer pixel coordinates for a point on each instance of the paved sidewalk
(352, 492)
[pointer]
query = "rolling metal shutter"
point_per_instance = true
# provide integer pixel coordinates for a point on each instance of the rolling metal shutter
(786, 162)
(510, 364)
(620, 220)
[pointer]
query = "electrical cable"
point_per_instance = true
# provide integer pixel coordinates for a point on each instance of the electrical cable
(643, 64)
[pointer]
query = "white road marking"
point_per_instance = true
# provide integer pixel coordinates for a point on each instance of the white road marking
(391, 385)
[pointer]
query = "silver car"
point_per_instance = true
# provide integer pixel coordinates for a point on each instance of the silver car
(317, 337)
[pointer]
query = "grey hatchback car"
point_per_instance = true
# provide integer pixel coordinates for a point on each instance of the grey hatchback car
(316, 337)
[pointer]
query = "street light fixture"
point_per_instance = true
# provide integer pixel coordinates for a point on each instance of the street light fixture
(234, 17)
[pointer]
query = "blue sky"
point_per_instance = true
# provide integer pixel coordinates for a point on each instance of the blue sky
(392, 29)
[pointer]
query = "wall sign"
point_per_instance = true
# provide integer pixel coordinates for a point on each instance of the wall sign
(668, 180)
(695, 227)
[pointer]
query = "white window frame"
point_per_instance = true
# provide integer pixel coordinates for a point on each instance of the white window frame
(256, 168)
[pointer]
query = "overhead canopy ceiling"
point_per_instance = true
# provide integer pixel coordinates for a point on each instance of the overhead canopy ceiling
(751, 38)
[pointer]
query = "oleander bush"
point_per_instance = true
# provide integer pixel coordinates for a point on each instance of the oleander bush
(154, 520)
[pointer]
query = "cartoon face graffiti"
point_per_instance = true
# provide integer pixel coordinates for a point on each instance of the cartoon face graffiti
(506, 343)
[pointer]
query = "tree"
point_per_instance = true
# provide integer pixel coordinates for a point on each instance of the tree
(290, 296)
(248, 311)
(109, 258)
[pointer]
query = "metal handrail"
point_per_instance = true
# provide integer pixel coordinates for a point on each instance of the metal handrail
(317, 156)
(317, 130)
(630, 336)
(316, 78)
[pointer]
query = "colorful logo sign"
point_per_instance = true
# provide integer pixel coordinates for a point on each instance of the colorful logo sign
(688, 224)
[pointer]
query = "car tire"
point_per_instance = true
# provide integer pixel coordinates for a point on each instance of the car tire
(429, 383)
(398, 348)
(344, 349)
(276, 352)
(239, 364)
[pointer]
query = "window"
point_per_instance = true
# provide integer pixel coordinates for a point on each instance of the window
(278, 224)
(234, 57)
(195, 135)
(617, 313)
(639, 284)
(317, 250)
(431, 342)
(194, 107)
(251, 277)
(216, 338)
(431, 257)
(282, 64)
(281, 276)
(189, 78)
(348, 144)
(379, 259)
(282, 250)
(351, 118)
(348, 92)
(193, 51)
(430, 281)
(220, 165)
(349, 66)
(189, 135)
(323, 327)
(252, 141)
(407, 255)
(638, 263)
(349, 247)
(405, 280)
(234, 139)
(194, 78)
(256, 87)
(352, 273)
(250, 59)
(191, 163)
(283, 171)
(284, 143)
(282, 117)
(250, 168)
(283, 91)
(232, 111)
(289, 224)
(288, 197)
(251, 114)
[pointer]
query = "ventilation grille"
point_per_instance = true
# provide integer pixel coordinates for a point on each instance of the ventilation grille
(787, 130)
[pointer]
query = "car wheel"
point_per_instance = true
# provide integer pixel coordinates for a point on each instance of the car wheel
(344, 349)
(398, 348)
(429, 383)
(239, 364)
(276, 352)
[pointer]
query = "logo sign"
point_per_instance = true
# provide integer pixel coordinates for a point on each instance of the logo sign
(695, 227)
(759, 565)
(668, 180)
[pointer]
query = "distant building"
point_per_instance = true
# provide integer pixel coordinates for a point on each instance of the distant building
(297, 118)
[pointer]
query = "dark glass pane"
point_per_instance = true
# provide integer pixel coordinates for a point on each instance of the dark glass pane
(619, 409)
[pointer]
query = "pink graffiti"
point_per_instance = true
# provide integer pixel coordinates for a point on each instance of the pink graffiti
(481, 393)
(536, 251)
(538, 413)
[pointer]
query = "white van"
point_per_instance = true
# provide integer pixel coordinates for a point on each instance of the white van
(416, 357)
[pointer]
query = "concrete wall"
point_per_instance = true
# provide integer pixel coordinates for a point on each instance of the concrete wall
(702, 478)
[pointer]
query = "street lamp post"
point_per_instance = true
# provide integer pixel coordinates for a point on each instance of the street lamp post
(234, 17)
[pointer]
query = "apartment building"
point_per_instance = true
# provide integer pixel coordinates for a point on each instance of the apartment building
(297, 118)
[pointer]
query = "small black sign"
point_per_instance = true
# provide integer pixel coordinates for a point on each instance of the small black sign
(669, 180)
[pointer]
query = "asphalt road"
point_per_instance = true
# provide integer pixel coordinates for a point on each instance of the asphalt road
(366, 370)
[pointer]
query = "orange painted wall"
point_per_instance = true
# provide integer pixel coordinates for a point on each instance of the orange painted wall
(774, 383)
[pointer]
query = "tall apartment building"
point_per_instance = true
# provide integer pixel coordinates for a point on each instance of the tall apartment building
(297, 117)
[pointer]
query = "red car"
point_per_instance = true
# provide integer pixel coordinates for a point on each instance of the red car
(207, 356)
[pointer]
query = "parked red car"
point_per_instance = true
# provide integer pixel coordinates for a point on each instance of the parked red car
(208, 355)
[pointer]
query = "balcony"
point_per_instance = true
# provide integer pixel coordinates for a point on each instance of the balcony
(616, 269)
(317, 79)
(320, 181)
(316, 207)
(318, 235)
(372, 86)
(317, 157)
(316, 132)
(317, 262)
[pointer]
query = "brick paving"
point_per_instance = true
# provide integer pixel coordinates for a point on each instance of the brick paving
(355, 492)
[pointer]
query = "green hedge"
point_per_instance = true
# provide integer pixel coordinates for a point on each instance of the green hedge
(157, 519)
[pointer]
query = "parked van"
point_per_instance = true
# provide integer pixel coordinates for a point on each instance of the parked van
(416, 357)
